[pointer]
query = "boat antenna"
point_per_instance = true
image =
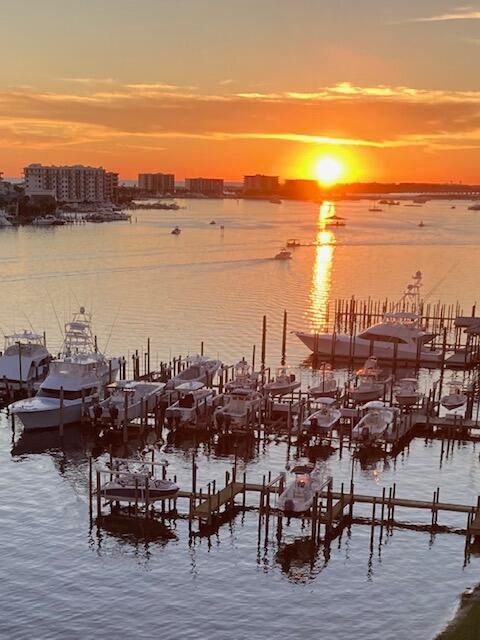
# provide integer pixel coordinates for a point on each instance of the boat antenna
(440, 281)
(28, 320)
(111, 330)
(55, 312)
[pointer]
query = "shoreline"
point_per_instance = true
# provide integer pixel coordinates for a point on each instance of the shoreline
(465, 625)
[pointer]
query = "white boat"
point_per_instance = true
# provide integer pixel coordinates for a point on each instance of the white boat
(399, 336)
(324, 419)
(133, 484)
(198, 369)
(24, 362)
(244, 377)
(284, 382)
(238, 409)
(176, 231)
(283, 254)
(194, 399)
(327, 386)
(47, 221)
(299, 495)
(455, 397)
(138, 397)
(5, 219)
(374, 425)
(407, 393)
(73, 382)
(368, 385)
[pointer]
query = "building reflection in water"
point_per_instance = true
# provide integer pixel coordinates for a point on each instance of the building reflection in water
(322, 269)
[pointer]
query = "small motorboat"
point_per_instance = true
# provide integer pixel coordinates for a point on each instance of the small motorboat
(323, 420)
(275, 201)
(176, 231)
(373, 426)
(327, 386)
(136, 396)
(198, 369)
(474, 207)
(375, 209)
(238, 409)
(292, 243)
(421, 224)
(283, 254)
(407, 393)
(455, 397)
(368, 386)
(284, 382)
(213, 222)
(128, 484)
(244, 377)
(299, 495)
(194, 399)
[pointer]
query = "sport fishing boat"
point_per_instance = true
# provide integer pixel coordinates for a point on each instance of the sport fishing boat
(74, 381)
(244, 377)
(284, 382)
(368, 385)
(24, 362)
(198, 369)
(407, 393)
(455, 397)
(193, 400)
(324, 419)
(374, 425)
(137, 396)
(327, 386)
(299, 495)
(130, 483)
(239, 406)
(399, 335)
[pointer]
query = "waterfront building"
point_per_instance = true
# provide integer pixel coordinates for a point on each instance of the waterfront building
(76, 183)
(7, 189)
(156, 182)
(260, 185)
(205, 186)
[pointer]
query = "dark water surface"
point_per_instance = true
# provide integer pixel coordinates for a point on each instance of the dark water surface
(62, 578)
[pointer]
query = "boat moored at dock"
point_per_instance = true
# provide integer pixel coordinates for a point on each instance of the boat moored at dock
(24, 362)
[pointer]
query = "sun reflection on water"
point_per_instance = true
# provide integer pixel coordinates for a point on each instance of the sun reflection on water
(322, 268)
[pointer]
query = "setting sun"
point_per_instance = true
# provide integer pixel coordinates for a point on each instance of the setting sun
(328, 170)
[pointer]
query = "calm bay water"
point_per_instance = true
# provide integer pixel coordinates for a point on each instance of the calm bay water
(63, 579)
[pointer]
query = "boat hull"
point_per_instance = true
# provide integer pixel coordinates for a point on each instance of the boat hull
(50, 418)
(343, 346)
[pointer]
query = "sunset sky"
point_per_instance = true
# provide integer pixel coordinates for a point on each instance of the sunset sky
(225, 87)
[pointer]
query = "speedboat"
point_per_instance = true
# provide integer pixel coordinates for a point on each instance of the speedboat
(244, 377)
(399, 335)
(284, 382)
(299, 495)
(176, 231)
(24, 362)
(193, 399)
(292, 243)
(368, 385)
(375, 209)
(198, 369)
(374, 425)
(327, 386)
(128, 483)
(283, 254)
(407, 393)
(275, 201)
(239, 406)
(324, 419)
(137, 396)
(455, 397)
(74, 381)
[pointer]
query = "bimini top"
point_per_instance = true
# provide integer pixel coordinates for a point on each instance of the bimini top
(395, 332)
(188, 387)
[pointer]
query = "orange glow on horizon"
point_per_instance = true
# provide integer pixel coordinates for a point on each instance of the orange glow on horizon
(329, 170)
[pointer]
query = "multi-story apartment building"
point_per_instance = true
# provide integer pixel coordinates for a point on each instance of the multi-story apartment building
(156, 182)
(205, 186)
(70, 183)
(260, 185)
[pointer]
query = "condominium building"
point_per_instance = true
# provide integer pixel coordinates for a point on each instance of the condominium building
(205, 186)
(70, 183)
(260, 185)
(156, 182)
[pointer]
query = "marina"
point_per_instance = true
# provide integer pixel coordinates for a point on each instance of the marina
(417, 489)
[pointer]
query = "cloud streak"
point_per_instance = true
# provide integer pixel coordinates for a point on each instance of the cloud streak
(461, 13)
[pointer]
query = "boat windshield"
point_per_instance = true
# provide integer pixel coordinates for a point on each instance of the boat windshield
(68, 395)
